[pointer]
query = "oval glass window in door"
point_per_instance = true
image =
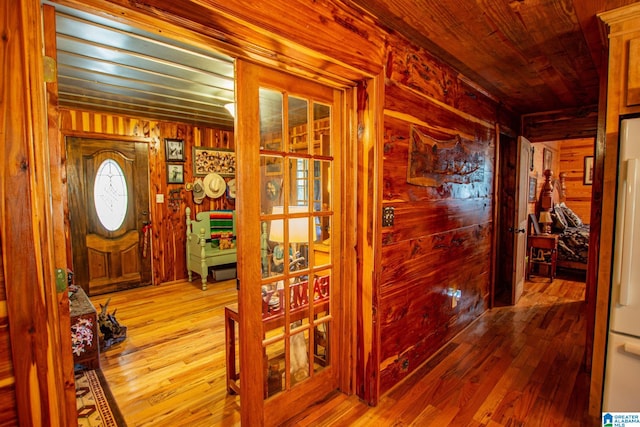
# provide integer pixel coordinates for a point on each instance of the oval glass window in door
(110, 195)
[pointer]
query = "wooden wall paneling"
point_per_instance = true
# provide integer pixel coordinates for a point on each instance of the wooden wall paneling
(8, 408)
(416, 314)
(435, 227)
(417, 69)
(572, 154)
(26, 223)
(168, 232)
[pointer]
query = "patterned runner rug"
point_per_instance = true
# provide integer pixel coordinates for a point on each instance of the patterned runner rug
(95, 404)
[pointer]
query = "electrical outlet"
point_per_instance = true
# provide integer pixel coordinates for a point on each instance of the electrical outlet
(388, 216)
(455, 295)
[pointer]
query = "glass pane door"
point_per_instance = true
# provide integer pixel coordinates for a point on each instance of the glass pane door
(295, 228)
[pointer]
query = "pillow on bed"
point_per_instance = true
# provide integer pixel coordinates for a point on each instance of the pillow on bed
(559, 221)
(573, 220)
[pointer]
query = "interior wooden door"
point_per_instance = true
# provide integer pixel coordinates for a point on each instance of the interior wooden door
(289, 195)
(520, 217)
(108, 210)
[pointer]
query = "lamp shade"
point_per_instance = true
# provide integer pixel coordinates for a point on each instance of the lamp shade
(298, 227)
(545, 217)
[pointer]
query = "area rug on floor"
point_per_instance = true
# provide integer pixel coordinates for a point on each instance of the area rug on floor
(94, 401)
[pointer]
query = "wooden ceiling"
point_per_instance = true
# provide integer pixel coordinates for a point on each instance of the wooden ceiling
(532, 55)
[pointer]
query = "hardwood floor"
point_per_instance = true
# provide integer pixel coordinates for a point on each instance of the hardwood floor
(515, 366)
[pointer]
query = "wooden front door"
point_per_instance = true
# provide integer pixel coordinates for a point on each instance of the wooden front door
(289, 191)
(520, 217)
(108, 189)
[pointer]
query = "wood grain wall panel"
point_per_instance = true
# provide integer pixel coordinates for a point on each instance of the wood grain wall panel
(168, 218)
(418, 318)
(437, 227)
(411, 218)
(418, 70)
(572, 154)
(8, 413)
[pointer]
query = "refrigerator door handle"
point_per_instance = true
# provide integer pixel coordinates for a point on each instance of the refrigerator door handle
(629, 226)
(631, 348)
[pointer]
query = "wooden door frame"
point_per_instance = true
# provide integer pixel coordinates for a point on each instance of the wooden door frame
(360, 220)
(33, 226)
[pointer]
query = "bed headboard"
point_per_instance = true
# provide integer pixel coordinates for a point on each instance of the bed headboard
(561, 186)
(546, 195)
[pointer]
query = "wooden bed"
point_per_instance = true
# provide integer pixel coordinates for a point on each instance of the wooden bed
(573, 233)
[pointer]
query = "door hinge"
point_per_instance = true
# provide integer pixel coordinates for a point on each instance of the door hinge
(61, 280)
(50, 69)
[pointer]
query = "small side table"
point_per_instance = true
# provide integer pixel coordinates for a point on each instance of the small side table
(84, 331)
(547, 243)
(231, 318)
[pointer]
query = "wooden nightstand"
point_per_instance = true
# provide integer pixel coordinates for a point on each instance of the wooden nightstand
(542, 250)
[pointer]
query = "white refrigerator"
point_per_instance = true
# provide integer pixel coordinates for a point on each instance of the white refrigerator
(622, 370)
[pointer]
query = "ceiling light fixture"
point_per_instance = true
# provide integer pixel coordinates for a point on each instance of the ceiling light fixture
(231, 108)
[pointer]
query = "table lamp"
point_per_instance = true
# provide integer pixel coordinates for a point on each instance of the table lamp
(546, 220)
(298, 228)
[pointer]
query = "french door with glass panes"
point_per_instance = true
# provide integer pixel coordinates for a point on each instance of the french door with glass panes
(288, 132)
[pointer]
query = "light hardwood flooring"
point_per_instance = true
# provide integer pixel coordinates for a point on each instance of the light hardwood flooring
(514, 366)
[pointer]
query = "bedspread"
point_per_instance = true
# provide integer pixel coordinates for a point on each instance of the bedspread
(573, 244)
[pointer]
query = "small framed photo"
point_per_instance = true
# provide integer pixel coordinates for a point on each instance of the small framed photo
(217, 160)
(533, 184)
(175, 174)
(588, 170)
(273, 166)
(174, 150)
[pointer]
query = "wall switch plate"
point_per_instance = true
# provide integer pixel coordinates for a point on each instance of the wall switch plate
(388, 216)
(159, 198)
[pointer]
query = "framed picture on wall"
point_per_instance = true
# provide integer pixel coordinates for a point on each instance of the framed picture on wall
(547, 159)
(217, 160)
(175, 174)
(588, 170)
(174, 150)
(533, 184)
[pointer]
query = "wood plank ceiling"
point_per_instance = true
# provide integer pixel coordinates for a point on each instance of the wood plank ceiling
(531, 55)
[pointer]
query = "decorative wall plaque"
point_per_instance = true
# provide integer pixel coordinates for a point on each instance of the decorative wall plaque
(434, 162)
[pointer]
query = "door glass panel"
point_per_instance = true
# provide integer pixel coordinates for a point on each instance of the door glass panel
(270, 120)
(298, 125)
(275, 366)
(272, 180)
(110, 195)
(272, 241)
(321, 127)
(295, 229)
(321, 185)
(321, 240)
(299, 178)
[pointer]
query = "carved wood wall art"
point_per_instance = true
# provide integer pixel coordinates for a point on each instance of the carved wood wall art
(434, 162)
